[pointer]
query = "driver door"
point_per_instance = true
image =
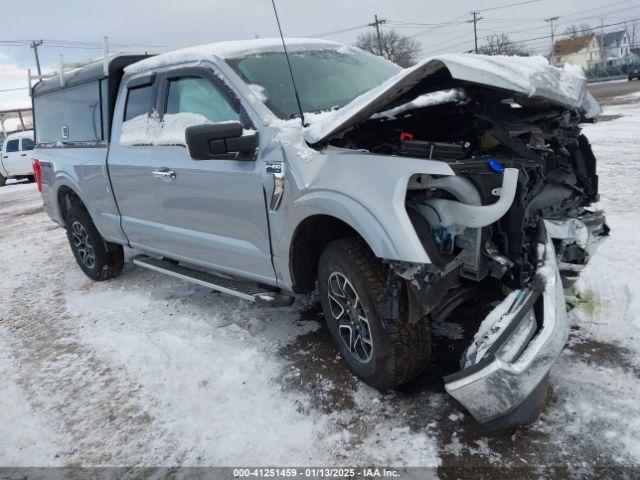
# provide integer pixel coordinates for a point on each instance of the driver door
(210, 213)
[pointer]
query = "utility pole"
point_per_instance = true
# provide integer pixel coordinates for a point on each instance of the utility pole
(35, 44)
(376, 23)
(475, 20)
(553, 32)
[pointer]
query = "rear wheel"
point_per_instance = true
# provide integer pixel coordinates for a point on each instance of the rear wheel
(3, 180)
(98, 259)
(352, 286)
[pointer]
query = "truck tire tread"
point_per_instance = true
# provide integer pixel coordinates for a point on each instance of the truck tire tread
(408, 339)
(109, 257)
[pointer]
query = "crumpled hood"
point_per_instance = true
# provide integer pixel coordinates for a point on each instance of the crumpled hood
(530, 76)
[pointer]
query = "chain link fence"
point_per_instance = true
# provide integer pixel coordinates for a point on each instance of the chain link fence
(611, 69)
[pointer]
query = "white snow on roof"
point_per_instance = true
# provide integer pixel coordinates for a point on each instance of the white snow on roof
(229, 49)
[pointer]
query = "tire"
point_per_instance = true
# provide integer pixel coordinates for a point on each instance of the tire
(382, 357)
(3, 180)
(98, 259)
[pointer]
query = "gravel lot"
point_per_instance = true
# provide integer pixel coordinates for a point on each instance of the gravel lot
(147, 370)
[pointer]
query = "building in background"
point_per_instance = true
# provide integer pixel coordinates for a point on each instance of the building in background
(616, 49)
(583, 51)
(595, 52)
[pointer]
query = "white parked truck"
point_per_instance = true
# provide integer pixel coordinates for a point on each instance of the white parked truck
(17, 157)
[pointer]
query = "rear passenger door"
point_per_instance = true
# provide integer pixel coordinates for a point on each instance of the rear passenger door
(26, 156)
(210, 213)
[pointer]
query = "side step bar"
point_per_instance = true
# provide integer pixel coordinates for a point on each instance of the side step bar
(247, 291)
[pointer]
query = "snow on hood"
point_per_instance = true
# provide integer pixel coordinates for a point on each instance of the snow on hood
(531, 76)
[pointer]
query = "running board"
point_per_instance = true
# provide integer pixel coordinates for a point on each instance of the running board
(247, 291)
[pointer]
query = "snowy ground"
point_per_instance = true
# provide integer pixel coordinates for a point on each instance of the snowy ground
(147, 370)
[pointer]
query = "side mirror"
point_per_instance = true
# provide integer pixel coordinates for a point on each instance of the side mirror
(213, 141)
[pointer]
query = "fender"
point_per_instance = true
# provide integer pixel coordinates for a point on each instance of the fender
(108, 225)
(351, 212)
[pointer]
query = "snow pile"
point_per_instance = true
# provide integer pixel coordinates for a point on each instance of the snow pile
(427, 100)
(532, 76)
(150, 130)
(259, 91)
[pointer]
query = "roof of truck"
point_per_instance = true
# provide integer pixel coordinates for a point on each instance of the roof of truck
(89, 72)
(230, 49)
(20, 134)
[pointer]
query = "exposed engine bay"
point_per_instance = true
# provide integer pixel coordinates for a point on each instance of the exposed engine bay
(521, 159)
(509, 225)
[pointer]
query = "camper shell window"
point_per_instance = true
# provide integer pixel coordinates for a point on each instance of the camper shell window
(76, 110)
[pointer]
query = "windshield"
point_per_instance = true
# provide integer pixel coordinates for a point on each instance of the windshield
(326, 78)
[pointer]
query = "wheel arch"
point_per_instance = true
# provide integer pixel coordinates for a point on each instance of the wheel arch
(65, 198)
(310, 238)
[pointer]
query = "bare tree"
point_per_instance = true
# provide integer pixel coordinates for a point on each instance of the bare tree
(398, 48)
(578, 30)
(501, 44)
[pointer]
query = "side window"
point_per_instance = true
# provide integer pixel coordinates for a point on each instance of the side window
(12, 146)
(27, 144)
(139, 102)
(199, 96)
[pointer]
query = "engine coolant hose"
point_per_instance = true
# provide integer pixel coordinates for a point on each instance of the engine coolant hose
(452, 212)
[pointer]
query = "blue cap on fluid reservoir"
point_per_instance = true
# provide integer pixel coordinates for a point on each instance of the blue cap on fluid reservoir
(495, 165)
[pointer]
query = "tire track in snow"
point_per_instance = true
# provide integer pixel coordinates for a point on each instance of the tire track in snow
(94, 407)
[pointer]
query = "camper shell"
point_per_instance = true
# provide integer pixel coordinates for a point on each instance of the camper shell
(75, 108)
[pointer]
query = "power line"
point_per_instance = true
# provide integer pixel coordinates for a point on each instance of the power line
(570, 33)
(510, 31)
(13, 89)
(336, 32)
(509, 6)
(417, 24)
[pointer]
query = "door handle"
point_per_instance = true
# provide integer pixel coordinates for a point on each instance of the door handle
(23, 154)
(164, 173)
(6, 156)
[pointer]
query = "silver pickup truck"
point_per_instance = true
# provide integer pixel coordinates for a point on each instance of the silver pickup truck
(395, 194)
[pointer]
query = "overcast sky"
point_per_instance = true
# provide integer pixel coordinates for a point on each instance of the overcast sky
(62, 24)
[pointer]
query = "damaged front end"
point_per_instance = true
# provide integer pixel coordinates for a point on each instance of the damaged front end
(503, 380)
(515, 218)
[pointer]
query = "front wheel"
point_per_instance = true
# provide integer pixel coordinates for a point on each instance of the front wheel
(3, 180)
(351, 282)
(98, 259)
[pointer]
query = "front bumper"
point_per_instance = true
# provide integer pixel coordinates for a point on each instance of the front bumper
(504, 377)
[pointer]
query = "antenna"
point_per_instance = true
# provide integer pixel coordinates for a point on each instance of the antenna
(286, 54)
